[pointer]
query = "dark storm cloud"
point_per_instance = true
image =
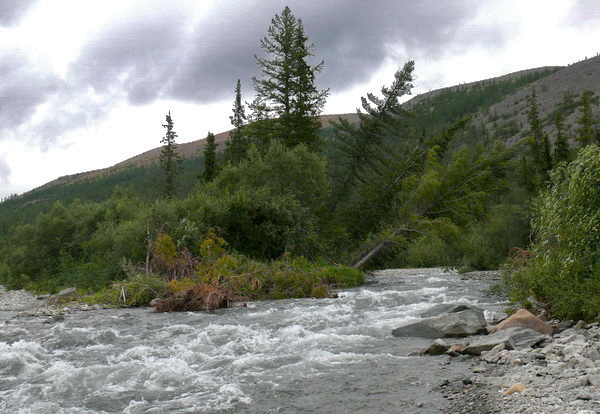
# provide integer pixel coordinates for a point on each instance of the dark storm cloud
(221, 50)
(135, 57)
(353, 37)
(158, 52)
(150, 56)
(12, 10)
(23, 86)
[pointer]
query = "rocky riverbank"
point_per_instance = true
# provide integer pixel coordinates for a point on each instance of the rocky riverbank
(20, 303)
(559, 375)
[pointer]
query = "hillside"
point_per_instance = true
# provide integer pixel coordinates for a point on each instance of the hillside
(498, 107)
(187, 150)
(559, 88)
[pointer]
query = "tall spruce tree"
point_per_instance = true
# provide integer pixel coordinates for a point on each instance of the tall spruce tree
(236, 146)
(562, 150)
(539, 144)
(210, 159)
(585, 133)
(286, 88)
(169, 159)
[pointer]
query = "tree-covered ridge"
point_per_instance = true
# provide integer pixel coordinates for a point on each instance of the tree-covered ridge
(139, 179)
(436, 112)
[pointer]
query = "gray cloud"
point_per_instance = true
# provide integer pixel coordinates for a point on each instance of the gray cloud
(150, 55)
(136, 57)
(354, 38)
(12, 10)
(584, 12)
(154, 58)
(70, 110)
(24, 84)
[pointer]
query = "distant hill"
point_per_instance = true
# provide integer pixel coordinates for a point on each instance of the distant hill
(559, 89)
(186, 150)
(498, 107)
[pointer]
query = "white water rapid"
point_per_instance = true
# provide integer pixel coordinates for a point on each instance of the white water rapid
(287, 356)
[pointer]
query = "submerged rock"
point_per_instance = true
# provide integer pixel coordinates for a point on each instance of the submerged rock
(464, 323)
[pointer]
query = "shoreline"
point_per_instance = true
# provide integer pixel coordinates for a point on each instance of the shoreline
(561, 375)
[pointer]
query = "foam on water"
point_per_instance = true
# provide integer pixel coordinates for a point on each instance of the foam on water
(273, 356)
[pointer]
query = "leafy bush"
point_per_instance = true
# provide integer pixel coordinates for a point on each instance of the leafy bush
(486, 244)
(429, 251)
(343, 276)
(565, 268)
(137, 290)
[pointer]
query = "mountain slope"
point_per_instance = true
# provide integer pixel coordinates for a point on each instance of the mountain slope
(498, 107)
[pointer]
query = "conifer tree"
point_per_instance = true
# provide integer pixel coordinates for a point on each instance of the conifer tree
(286, 88)
(585, 134)
(361, 147)
(562, 151)
(169, 159)
(524, 176)
(210, 159)
(539, 144)
(236, 146)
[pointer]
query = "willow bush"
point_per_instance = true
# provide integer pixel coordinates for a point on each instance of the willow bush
(564, 270)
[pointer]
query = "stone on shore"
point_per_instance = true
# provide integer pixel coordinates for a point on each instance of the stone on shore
(438, 347)
(510, 338)
(518, 387)
(64, 295)
(460, 324)
(524, 319)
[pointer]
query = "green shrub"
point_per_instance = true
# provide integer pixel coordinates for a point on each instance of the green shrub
(343, 276)
(429, 251)
(564, 270)
(137, 290)
(486, 244)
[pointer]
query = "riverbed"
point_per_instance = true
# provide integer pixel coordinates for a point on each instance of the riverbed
(287, 356)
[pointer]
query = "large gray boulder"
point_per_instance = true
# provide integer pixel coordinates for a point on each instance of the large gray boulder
(64, 295)
(443, 308)
(465, 323)
(511, 338)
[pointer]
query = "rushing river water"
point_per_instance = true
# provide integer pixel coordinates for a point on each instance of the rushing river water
(287, 356)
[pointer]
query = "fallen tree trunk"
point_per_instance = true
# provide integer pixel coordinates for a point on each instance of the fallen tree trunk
(371, 254)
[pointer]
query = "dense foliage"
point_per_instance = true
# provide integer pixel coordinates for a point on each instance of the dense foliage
(564, 267)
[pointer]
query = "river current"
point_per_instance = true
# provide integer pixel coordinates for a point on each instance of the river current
(286, 356)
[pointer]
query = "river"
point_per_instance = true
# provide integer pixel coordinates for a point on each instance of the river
(286, 356)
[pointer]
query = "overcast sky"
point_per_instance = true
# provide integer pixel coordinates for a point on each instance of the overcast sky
(87, 84)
